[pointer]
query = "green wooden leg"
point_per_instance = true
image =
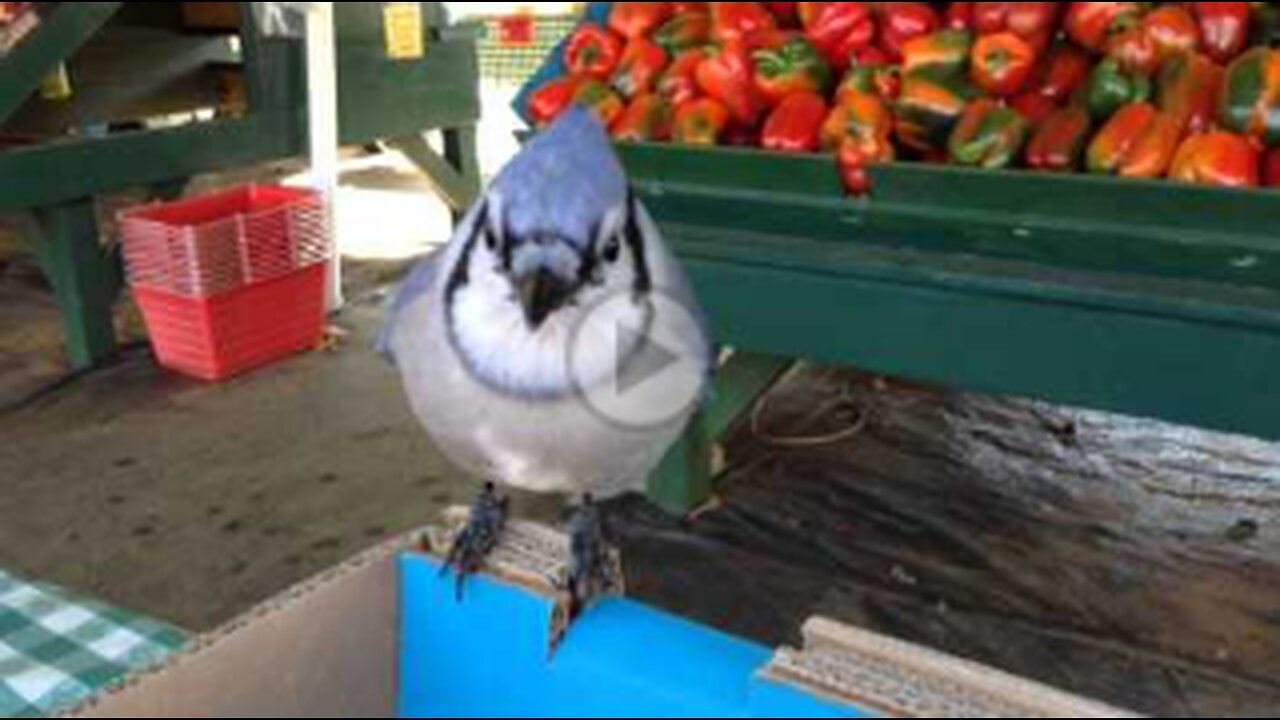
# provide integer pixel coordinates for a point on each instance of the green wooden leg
(455, 173)
(170, 189)
(684, 481)
(85, 277)
(461, 150)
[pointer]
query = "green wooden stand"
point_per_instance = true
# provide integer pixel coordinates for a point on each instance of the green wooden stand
(1150, 299)
(379, 98)
(684, 481)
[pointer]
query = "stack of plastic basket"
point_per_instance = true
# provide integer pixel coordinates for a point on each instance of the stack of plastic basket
(231, 281)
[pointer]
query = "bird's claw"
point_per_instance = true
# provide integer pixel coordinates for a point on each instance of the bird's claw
(594, 571)
(478, 538)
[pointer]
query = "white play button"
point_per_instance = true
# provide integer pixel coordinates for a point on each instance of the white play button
(660, 358)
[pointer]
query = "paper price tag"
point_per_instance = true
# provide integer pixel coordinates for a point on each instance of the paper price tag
(406, 39)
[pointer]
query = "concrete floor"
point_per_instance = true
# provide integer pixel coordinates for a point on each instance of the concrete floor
(193, 502)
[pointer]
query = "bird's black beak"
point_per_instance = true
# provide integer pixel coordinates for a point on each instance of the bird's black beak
(541, 293)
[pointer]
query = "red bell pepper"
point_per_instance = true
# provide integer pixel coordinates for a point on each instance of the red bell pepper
(902, 22)
(1166, 32)
(1190, 89)
(642, 64)
(1138, 141)
(600, 99)
(546, 103)
(1251, 96)
(790, 65)
(1059, 142)
(854, 157)
(1063, 72)
(647, 119)
(1091, 24)
(740, 136)
(728, 75)
(1174, 30)
(1220, 159)
(1033, 106)
(1225, 27)
(700, 122)
(787, 13)
(795, 125)
(683, 31)
(1271, 169)
(679, 84)
(593, 52)
(960, 16)
(740, 21)
(988, 135)
(839, 29)
(1035, 22)
(1002, 63)
(634, 20)
(682, 7)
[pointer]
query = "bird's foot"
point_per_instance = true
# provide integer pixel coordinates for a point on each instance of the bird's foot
(594, 570)
(478, 538)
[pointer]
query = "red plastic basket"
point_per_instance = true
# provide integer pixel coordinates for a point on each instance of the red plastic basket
(231, 281)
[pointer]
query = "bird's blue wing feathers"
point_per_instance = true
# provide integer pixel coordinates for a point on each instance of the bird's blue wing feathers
(418, 283)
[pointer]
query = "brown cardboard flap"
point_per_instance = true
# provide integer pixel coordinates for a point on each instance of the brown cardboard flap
(326, 649)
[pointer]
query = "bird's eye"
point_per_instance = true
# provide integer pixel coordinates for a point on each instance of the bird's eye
(612, 251)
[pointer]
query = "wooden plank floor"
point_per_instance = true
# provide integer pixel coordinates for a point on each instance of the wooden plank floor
(1127, 561)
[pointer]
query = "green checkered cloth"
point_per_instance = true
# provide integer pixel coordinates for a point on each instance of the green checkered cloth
(57, 650)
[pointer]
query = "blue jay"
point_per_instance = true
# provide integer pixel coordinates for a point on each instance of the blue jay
(553, 286)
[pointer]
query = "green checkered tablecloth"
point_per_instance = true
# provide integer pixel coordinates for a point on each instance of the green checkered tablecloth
(57, 650)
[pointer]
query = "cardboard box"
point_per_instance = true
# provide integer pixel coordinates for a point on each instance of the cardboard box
(326, 649)
(386, 636)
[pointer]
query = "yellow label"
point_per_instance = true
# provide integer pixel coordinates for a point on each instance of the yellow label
(405, 31)
(56, 86)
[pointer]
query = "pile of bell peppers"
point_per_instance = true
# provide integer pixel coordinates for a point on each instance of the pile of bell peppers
(1188, 91)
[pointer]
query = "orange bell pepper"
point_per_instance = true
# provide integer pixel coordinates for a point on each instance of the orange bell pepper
(1220, 159)
(647, 119)
(1002, 64)
(700, 122)
(600, 99)
(1139, 141)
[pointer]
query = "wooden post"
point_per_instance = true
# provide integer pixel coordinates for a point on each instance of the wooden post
(684, 480)
(86, 279)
